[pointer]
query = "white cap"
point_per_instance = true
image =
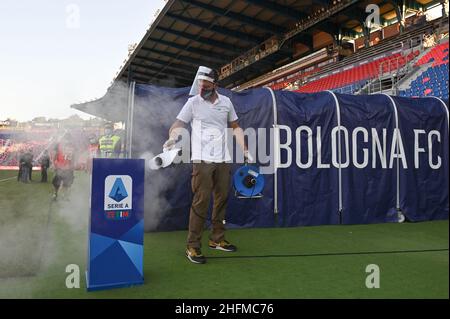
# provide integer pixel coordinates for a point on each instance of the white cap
(203, 73)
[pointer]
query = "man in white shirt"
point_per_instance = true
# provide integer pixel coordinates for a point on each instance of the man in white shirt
(210, 114)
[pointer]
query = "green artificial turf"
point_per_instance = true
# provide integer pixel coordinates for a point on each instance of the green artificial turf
(300, 262)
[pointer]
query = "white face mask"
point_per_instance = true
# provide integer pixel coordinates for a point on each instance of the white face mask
(206, 93)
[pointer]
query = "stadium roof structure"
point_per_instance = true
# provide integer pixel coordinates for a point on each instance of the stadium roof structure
(113, 106)
(189, 33)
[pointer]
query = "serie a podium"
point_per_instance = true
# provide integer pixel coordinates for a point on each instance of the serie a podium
(116, 227)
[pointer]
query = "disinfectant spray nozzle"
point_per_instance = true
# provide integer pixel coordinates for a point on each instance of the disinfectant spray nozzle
(158, 161)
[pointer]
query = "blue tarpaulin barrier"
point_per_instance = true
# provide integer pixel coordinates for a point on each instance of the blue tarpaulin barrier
(344, 159)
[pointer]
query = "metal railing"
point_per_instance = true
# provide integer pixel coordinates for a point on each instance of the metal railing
(392, 71)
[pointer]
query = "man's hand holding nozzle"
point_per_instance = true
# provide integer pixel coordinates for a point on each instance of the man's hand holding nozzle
(169, 144)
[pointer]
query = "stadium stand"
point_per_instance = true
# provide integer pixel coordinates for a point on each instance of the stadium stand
(433, 80)
(288, 46)
(295, 71)
(14, 142)
(351, 77)
(411, 40)
(360, 69)
(437, 55)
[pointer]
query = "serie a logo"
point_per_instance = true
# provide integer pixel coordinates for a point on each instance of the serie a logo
(118, 198)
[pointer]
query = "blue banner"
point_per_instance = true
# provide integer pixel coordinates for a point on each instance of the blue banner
(116, 231)
(344, 159)
(307, 195)
(368, 183)
(424, 185)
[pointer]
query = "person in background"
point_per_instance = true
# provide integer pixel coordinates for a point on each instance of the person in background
(93, 152)
(110, 144)
(64, 168)
(23, 173)
(45, 164)
(28, 162)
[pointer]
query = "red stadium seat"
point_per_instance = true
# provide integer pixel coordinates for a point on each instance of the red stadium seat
(436, 55)
(366, 71)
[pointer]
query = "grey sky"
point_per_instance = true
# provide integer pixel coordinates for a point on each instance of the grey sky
(50, 59)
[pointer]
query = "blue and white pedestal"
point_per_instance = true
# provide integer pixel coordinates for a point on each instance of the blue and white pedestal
(116, 228)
